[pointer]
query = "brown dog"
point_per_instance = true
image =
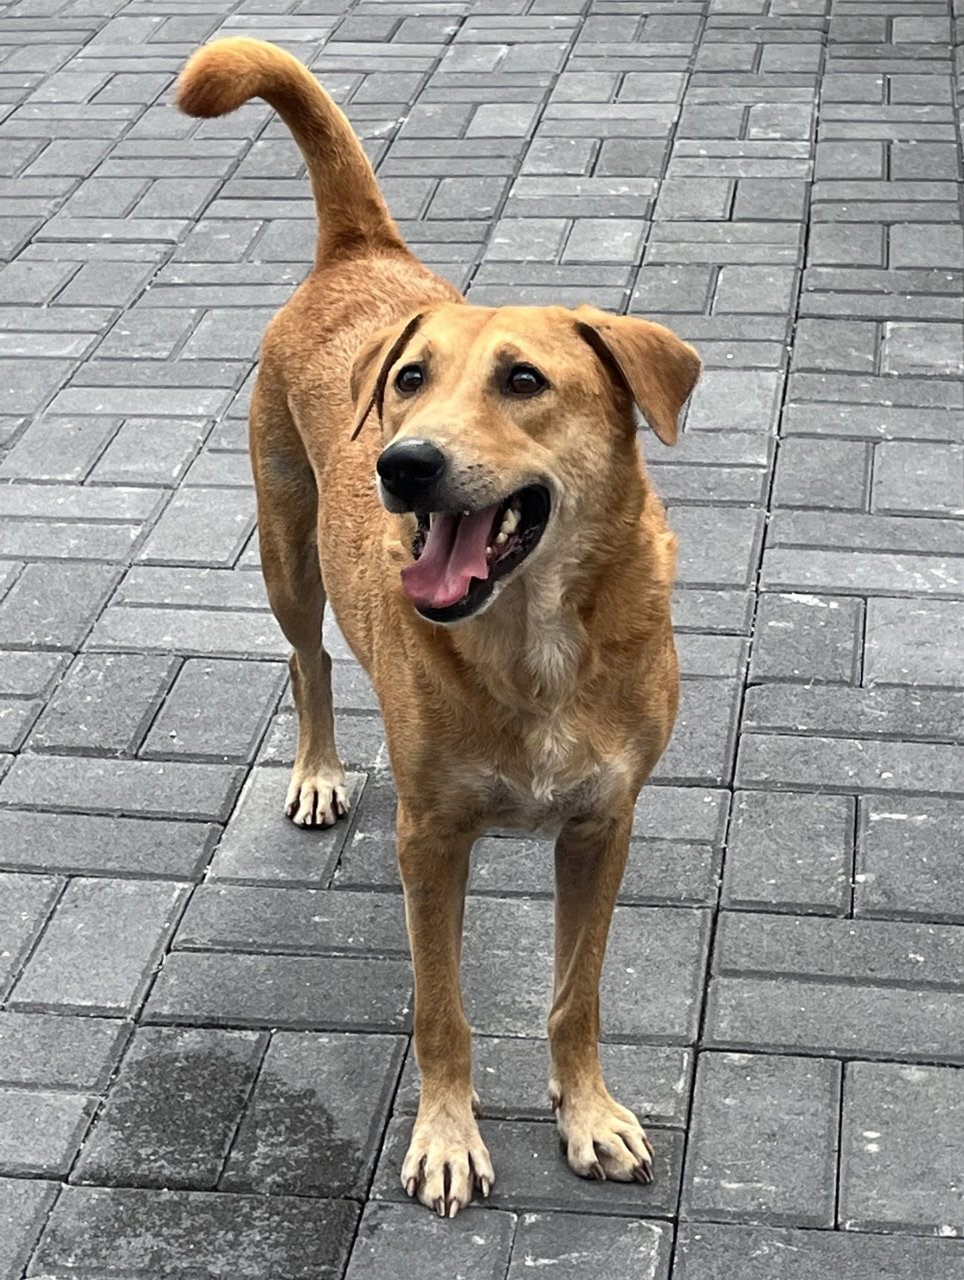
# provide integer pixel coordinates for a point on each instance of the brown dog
(509, 594)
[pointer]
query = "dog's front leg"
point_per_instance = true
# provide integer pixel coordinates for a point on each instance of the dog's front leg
(447, 1155)
(602, 1138)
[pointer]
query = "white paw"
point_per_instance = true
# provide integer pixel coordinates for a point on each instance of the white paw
(316, 799)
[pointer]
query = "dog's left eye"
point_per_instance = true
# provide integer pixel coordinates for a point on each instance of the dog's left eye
(525, 380)
(409, 378)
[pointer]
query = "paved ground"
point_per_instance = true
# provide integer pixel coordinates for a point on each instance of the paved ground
(204, 1057)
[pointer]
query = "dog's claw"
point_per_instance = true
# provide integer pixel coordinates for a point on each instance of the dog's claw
(643, 1173)
(596, 1171)
(440, 1206)
(485, 1186)
(411, 1186)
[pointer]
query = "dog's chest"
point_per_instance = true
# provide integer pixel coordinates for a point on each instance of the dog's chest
(552, 786)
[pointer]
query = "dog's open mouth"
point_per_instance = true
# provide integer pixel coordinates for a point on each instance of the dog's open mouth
(460, 556)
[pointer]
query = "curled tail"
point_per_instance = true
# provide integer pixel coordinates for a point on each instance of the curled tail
(352, 215)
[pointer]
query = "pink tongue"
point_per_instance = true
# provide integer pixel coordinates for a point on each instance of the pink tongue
(454, 554)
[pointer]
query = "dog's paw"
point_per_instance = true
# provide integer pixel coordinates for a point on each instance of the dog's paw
(446, 1160)
(602, 1139)
(316, 799)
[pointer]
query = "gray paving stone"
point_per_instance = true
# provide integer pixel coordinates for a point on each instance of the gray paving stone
(40, 1130)
(100, 947)
(24, 1205)
(852, 244)
(616, 1248)
(754, 289)
(673, 288)
(261, 845)
(604, 240)
(532, 1174)
(790, 852)
(58, 449)
(880, 711)
(911, 642)
(862, 573)
(104, 703)
(710, 1251)
(822, 473)
(302, 921)
(923, 348)
(201, 526)
(89, 844)
(882, 951)
(148, 452)
(802, 636)
(727, 399)
(182, 1234)
(718, 545)
(918, 479)
(926, 245)
(99, 785)
(300, 992)
(843, 1019)
(204, 719)
(849, 764)
(702, 747)
(511, 1074)
(51, 1051)
(200, 631)
(147, 334)
(899, 1156)
(53, 605)
(907, 852)
(763, 1140)
(315, 1119)
(173, 1109)
(25, 905)
(474, 1244)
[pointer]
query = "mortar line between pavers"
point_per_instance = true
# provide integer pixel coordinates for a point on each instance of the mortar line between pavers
(794, 312)
(267, 1036)
(838, 1178)
(129, 1024)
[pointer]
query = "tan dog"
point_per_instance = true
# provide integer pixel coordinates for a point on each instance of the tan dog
(509, 593)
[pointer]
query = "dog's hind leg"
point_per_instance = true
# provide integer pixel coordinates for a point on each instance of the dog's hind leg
(288, 532)
(602, 1138)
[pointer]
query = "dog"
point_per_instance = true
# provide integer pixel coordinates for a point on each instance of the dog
(464, 485)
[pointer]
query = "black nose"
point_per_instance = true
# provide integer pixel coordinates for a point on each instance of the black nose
(409, 468)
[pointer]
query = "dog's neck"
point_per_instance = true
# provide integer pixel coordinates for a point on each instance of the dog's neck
(531, 650)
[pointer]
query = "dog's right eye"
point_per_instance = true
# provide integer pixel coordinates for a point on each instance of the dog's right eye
(408, 379)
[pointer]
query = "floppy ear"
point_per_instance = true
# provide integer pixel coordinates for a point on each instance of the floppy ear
(659, 369)
(370, 366)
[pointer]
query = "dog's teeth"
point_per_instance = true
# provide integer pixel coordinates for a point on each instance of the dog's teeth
(502, 539)
(510, 522)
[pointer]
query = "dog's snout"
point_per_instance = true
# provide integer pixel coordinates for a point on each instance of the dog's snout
(409, 468)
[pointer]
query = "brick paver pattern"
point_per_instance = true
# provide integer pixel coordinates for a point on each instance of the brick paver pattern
(205, 1063)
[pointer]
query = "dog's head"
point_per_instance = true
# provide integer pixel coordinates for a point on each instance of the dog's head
(507, 430)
